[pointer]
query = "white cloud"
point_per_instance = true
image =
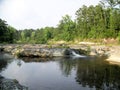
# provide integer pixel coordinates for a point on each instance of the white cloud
(39, 13)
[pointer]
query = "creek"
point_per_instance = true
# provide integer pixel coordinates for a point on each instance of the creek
(62, 73)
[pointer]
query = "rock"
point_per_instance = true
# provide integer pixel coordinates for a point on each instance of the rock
(93, 52)
(8, 49)
(45, 52)
(87, 43)
(42, 52)
(58, 52)
(114, 54)
(38, 50)
(99, 51)
(9, 84)
(114, 58)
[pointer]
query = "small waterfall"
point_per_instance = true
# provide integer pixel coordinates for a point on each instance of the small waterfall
(75, 54)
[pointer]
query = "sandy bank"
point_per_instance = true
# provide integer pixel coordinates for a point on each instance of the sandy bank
(114, 54)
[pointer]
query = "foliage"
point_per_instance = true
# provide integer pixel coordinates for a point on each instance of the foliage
(7, 33)
(66, 28)
(93, 22)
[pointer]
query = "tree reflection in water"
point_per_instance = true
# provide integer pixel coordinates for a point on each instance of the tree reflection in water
(93, 73)
(66, 66)
(3, 61)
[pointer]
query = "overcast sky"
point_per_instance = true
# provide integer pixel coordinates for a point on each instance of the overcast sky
(34, 14)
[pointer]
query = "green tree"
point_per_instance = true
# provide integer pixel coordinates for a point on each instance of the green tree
(3, 31)
(47, 33)
(112, 3)
(81, 15)
(66, 28)
(12, 34)
(22, 36)
(32, 37)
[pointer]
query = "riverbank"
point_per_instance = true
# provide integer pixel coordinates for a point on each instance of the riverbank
(111, 51)
(114, 55)
(38, 50)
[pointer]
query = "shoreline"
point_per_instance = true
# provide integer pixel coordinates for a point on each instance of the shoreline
(113, 52)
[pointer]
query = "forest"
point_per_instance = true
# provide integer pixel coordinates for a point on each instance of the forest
(91, 23)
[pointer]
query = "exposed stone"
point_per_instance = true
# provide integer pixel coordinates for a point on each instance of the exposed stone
(9, 84)
(39, 50)
(87, 43)
(93, 52)
(114, 54)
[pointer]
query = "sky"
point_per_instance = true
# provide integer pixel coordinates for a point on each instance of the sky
(26, 14)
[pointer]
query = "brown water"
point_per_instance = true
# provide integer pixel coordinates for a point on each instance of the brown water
(88, 73)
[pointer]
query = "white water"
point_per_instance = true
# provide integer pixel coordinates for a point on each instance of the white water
(77, 55)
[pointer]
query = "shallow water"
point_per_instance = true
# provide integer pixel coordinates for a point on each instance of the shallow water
(89, 73)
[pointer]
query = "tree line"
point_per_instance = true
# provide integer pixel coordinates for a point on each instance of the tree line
(91, 22)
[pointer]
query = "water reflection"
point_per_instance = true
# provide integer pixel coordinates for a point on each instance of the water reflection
(2, 64)
(4, 59)
(99, 74)
(93, 73)
(66, 66)
(37, 59)
(64, 73)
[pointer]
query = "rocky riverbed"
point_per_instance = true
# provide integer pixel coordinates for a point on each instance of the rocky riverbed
(9, 84)
(37, 50)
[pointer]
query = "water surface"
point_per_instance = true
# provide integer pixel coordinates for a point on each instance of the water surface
(90, 73)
